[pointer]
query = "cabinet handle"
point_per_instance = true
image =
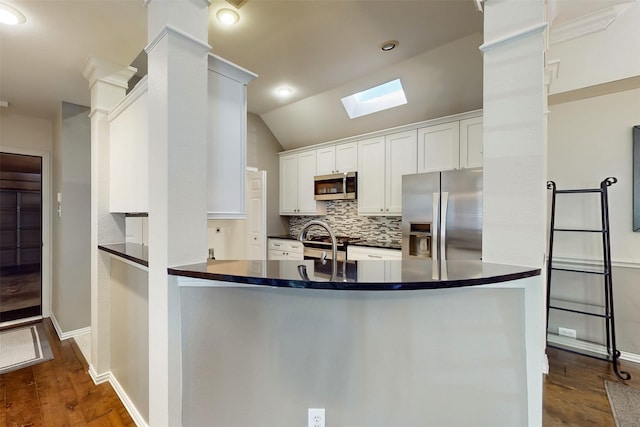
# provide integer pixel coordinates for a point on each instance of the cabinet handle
(381, 210)
(387, 209)
(374, 256)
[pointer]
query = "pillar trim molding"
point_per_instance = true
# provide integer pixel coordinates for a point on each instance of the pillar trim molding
(95, 70)
(514, 37)
(172, 31)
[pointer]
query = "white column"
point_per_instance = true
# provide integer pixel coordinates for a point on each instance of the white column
(514, 188)
(177, 66)
(108, 84)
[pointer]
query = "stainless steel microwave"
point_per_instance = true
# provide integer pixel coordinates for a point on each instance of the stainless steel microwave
(337, 186)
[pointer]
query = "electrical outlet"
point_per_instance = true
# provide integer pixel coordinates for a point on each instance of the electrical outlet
(316, 417)
(566, 332)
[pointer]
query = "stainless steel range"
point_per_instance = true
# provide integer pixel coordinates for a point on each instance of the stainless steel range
(315, 246)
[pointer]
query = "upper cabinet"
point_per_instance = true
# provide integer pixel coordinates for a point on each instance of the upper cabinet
(227, 138)
(382, 161)
(128, 152)
(439, 147)
(471, 143)
(453, 145)
(338, 158)
(297, 171)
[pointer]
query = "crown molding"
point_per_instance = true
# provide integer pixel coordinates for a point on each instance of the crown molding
(96, 69)
(551, 71)
(587, 24)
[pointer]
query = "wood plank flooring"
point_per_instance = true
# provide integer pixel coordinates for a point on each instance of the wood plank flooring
(574, 393)
(59, 393)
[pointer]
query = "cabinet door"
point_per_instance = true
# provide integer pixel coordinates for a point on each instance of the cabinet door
(401, 151)
(288, 184)
(347, 157)
(371, 177)
(471, 143)
(306, 173)
(326, 160)
(439, 147)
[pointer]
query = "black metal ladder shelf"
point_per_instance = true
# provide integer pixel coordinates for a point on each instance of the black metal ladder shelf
(613, 354)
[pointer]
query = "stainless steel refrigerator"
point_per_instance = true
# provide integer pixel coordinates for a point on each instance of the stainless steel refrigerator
(442, 215)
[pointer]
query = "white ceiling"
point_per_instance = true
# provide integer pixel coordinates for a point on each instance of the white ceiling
(322, 49)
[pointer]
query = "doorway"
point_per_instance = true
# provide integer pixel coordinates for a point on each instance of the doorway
(20, 236)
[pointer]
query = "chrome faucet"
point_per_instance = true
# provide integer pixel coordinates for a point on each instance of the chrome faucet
(302, 236)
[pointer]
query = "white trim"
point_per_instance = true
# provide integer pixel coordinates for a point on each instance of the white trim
(590, 347)
(20, 321)
(586, 262)
(140, 89)
(122, 395)
(169, 30)
(47, 228)
(226, 215)
(228, 69)
(513, 37)
(586, 24)
(71, 334)
(126, 401)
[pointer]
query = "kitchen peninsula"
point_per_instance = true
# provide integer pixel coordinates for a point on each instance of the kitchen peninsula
(382, 343)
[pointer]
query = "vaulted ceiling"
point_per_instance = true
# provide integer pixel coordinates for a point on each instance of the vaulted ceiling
(323, 50)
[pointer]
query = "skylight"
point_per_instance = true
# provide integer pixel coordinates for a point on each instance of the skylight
(378, 98)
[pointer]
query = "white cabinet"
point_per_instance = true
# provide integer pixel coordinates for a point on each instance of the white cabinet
(297, 171)
(128, 152)
(376, 271)
(381, 163)
(448, 146)
(363, 253)
(471, 143)
(284, 249)
(226, 138)
(337, 158)
(439, 147)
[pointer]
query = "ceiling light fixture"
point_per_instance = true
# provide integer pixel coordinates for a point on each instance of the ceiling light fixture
(284, 91)
(228, 16)
(10, 15)
(389, 45)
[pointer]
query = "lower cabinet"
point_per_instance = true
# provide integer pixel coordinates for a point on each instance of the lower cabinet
(285, 249)
(362, 253)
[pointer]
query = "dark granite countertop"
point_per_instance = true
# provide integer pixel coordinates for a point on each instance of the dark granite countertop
(357, 276)
(133, 252)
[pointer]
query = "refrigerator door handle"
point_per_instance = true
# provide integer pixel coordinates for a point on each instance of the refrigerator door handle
(443, 225)
(435, 226)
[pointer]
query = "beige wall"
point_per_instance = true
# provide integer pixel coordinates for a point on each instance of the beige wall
(589, 140)
(129, 342)
(25, 132)
(228, 237)
(71, 284)
(262, 356)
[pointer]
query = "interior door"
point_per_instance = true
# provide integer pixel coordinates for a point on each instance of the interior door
(257, 214)
(20, 236)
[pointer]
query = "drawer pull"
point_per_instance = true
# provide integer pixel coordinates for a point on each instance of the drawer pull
(374, 256)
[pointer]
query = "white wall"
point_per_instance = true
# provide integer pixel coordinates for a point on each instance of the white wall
(605, 56)
(589, 140)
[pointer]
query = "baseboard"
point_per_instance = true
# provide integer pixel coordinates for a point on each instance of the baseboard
(66, 335)
(590, 347)
(122, 395)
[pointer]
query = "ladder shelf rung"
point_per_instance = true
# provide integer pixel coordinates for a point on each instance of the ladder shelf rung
(604, 316)
(577, 270)
(586, 190)
(580, 230)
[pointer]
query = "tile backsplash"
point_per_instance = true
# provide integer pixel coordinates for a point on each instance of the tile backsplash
(342, 217)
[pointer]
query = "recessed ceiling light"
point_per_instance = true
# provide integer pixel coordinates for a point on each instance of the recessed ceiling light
(10, 15)
(228, 16)
(389, 45)
(284, 91)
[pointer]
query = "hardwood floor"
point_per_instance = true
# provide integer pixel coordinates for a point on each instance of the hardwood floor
(574, 393)
(59, 393)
